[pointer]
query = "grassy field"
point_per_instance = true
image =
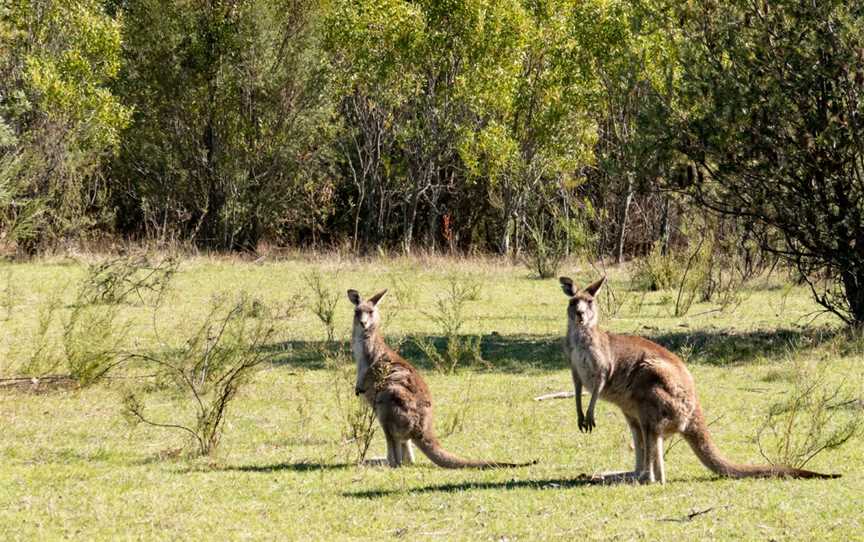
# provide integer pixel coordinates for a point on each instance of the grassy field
(73, 467)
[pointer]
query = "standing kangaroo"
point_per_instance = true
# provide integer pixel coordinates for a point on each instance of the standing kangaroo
(653, 389)
(397, 393)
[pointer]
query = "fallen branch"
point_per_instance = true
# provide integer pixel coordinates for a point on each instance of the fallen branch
(556, 395)
(691, 515)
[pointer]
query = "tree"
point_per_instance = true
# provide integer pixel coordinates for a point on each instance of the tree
(770, 113)
(414, 75)
(231, 117)
(59, 119)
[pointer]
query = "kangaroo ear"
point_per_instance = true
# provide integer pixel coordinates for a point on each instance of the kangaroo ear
(567, 286)
(377, 297)
(354, 296)
(593, 288)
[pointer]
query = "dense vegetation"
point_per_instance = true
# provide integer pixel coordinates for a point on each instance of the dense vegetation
(536, 127)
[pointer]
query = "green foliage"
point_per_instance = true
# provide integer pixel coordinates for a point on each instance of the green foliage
(44, 357)
(449, 315)
(657, 271)
(553, 237)
(92, 342)
(324, 299)
(817, 416)
(232, 113)
(86, 344)
(767, 111)
(58, 116)
(115, 280)
(208, 369)
(356, 418)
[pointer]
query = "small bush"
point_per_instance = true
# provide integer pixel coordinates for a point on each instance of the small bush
(92, 341)
(812, 419)
(551, 239)
(458, 351)
(657, 271)
(324, 301)
(208, 369)
(87, 344)
(117, 280)
(357, 419)
(449, 315)
(44, 358)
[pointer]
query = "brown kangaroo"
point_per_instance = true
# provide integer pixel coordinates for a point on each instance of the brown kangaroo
(398, 394)
(653, 389)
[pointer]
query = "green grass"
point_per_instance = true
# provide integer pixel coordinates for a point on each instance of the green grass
(73, 468)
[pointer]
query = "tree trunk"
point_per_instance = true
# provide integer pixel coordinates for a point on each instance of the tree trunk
(624, 216)
(853, 287)
(664, 228)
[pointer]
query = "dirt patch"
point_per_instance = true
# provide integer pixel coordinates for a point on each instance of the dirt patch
(43, 384)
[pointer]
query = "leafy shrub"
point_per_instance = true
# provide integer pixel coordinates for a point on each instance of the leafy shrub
(449, 315)
(816, 416)
(208, 369)
(551, 239)
(657, 271)
(114, 281)
(43, 358)
(92, 341)
(357, 419)
(324, 300)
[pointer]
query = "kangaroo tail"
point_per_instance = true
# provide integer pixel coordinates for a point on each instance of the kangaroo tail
(430, 446)
(699, 439)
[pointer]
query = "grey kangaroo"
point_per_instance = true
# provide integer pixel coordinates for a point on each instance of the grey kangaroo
(653, 389)
(398, 394)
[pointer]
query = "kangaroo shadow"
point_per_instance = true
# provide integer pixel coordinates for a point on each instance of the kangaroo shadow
(554, 483)
(302, 466)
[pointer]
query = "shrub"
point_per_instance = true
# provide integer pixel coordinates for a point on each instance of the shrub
(551, 239)
(357, 419)
(44, 358)
(208, 369)
(324, 301)
(92, 341)
(114, 281)
(449, 315)
(816, 416)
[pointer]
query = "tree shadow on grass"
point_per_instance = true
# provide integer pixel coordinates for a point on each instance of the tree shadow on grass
(523, 353)
(502, 353)
(722, 347)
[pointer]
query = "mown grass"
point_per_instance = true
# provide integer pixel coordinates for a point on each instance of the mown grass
(72, 466)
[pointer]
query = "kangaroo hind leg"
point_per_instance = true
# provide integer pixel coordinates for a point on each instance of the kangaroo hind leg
(408, 452)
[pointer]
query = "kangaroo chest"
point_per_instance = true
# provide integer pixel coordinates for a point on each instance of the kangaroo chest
(589, 359)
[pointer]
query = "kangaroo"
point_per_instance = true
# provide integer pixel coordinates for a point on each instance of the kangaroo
(653, 389)
(398, 394)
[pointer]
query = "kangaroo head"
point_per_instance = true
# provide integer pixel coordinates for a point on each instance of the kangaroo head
(582, 310)
(366, 316)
